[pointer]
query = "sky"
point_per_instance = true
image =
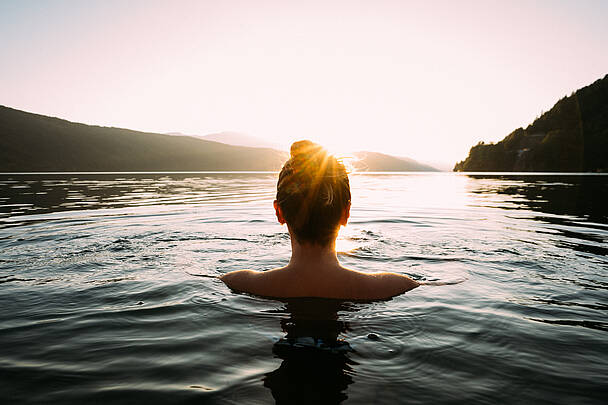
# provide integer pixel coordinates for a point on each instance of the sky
(420, 79)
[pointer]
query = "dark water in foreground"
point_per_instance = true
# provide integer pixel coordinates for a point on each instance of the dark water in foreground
(104, 295)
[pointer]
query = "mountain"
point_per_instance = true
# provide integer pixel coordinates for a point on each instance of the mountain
(234, 138)
(37, 143)
(31, 142)
(571, 137)
(364, 161)
(238, 139)
(379, 162)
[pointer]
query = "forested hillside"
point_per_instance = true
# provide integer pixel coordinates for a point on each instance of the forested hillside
(571, 137)
(32, 142)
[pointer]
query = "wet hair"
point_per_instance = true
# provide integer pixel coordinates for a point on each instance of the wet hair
(312, 192)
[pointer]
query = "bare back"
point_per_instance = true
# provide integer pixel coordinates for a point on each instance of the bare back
(338, 283)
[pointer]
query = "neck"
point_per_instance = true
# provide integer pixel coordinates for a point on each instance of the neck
(311, 256)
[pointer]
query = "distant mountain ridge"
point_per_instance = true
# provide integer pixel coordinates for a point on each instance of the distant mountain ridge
(31, 142)
(571, 137)
(380, 162)
(36, 143)
(234, 138)
(363, 161)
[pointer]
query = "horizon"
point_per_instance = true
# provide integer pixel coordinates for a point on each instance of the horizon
(284, 71)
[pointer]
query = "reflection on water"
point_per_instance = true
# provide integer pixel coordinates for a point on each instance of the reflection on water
(109, 292)
(581, 196)
(40, 194)
(315, 367)
(576, 205)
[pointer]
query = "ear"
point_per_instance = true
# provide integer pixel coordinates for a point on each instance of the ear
(345, 215)
(278, 212)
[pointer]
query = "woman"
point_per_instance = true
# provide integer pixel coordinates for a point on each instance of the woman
(313, 199)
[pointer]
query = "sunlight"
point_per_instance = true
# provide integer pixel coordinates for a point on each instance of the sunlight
(286, 71)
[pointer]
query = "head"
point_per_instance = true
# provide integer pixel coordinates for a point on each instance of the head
(313, 194)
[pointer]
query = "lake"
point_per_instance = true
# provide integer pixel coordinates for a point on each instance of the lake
(107, 292)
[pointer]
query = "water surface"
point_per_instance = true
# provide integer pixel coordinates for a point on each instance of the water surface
(106, 296)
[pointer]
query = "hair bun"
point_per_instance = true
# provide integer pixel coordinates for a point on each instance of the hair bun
(304, 149)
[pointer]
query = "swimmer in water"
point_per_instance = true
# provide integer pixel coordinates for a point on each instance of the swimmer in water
(313, 199)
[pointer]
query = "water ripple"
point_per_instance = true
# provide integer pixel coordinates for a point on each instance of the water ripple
(110, 291)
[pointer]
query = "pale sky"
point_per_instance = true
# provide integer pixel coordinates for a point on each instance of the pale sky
(422, 79)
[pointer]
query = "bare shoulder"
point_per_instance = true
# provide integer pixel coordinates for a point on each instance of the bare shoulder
(347, 284)
(263, 283)
(399, 279)
(384, 285)
(240, 280)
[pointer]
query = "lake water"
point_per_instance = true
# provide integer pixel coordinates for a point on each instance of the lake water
(105, 294)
